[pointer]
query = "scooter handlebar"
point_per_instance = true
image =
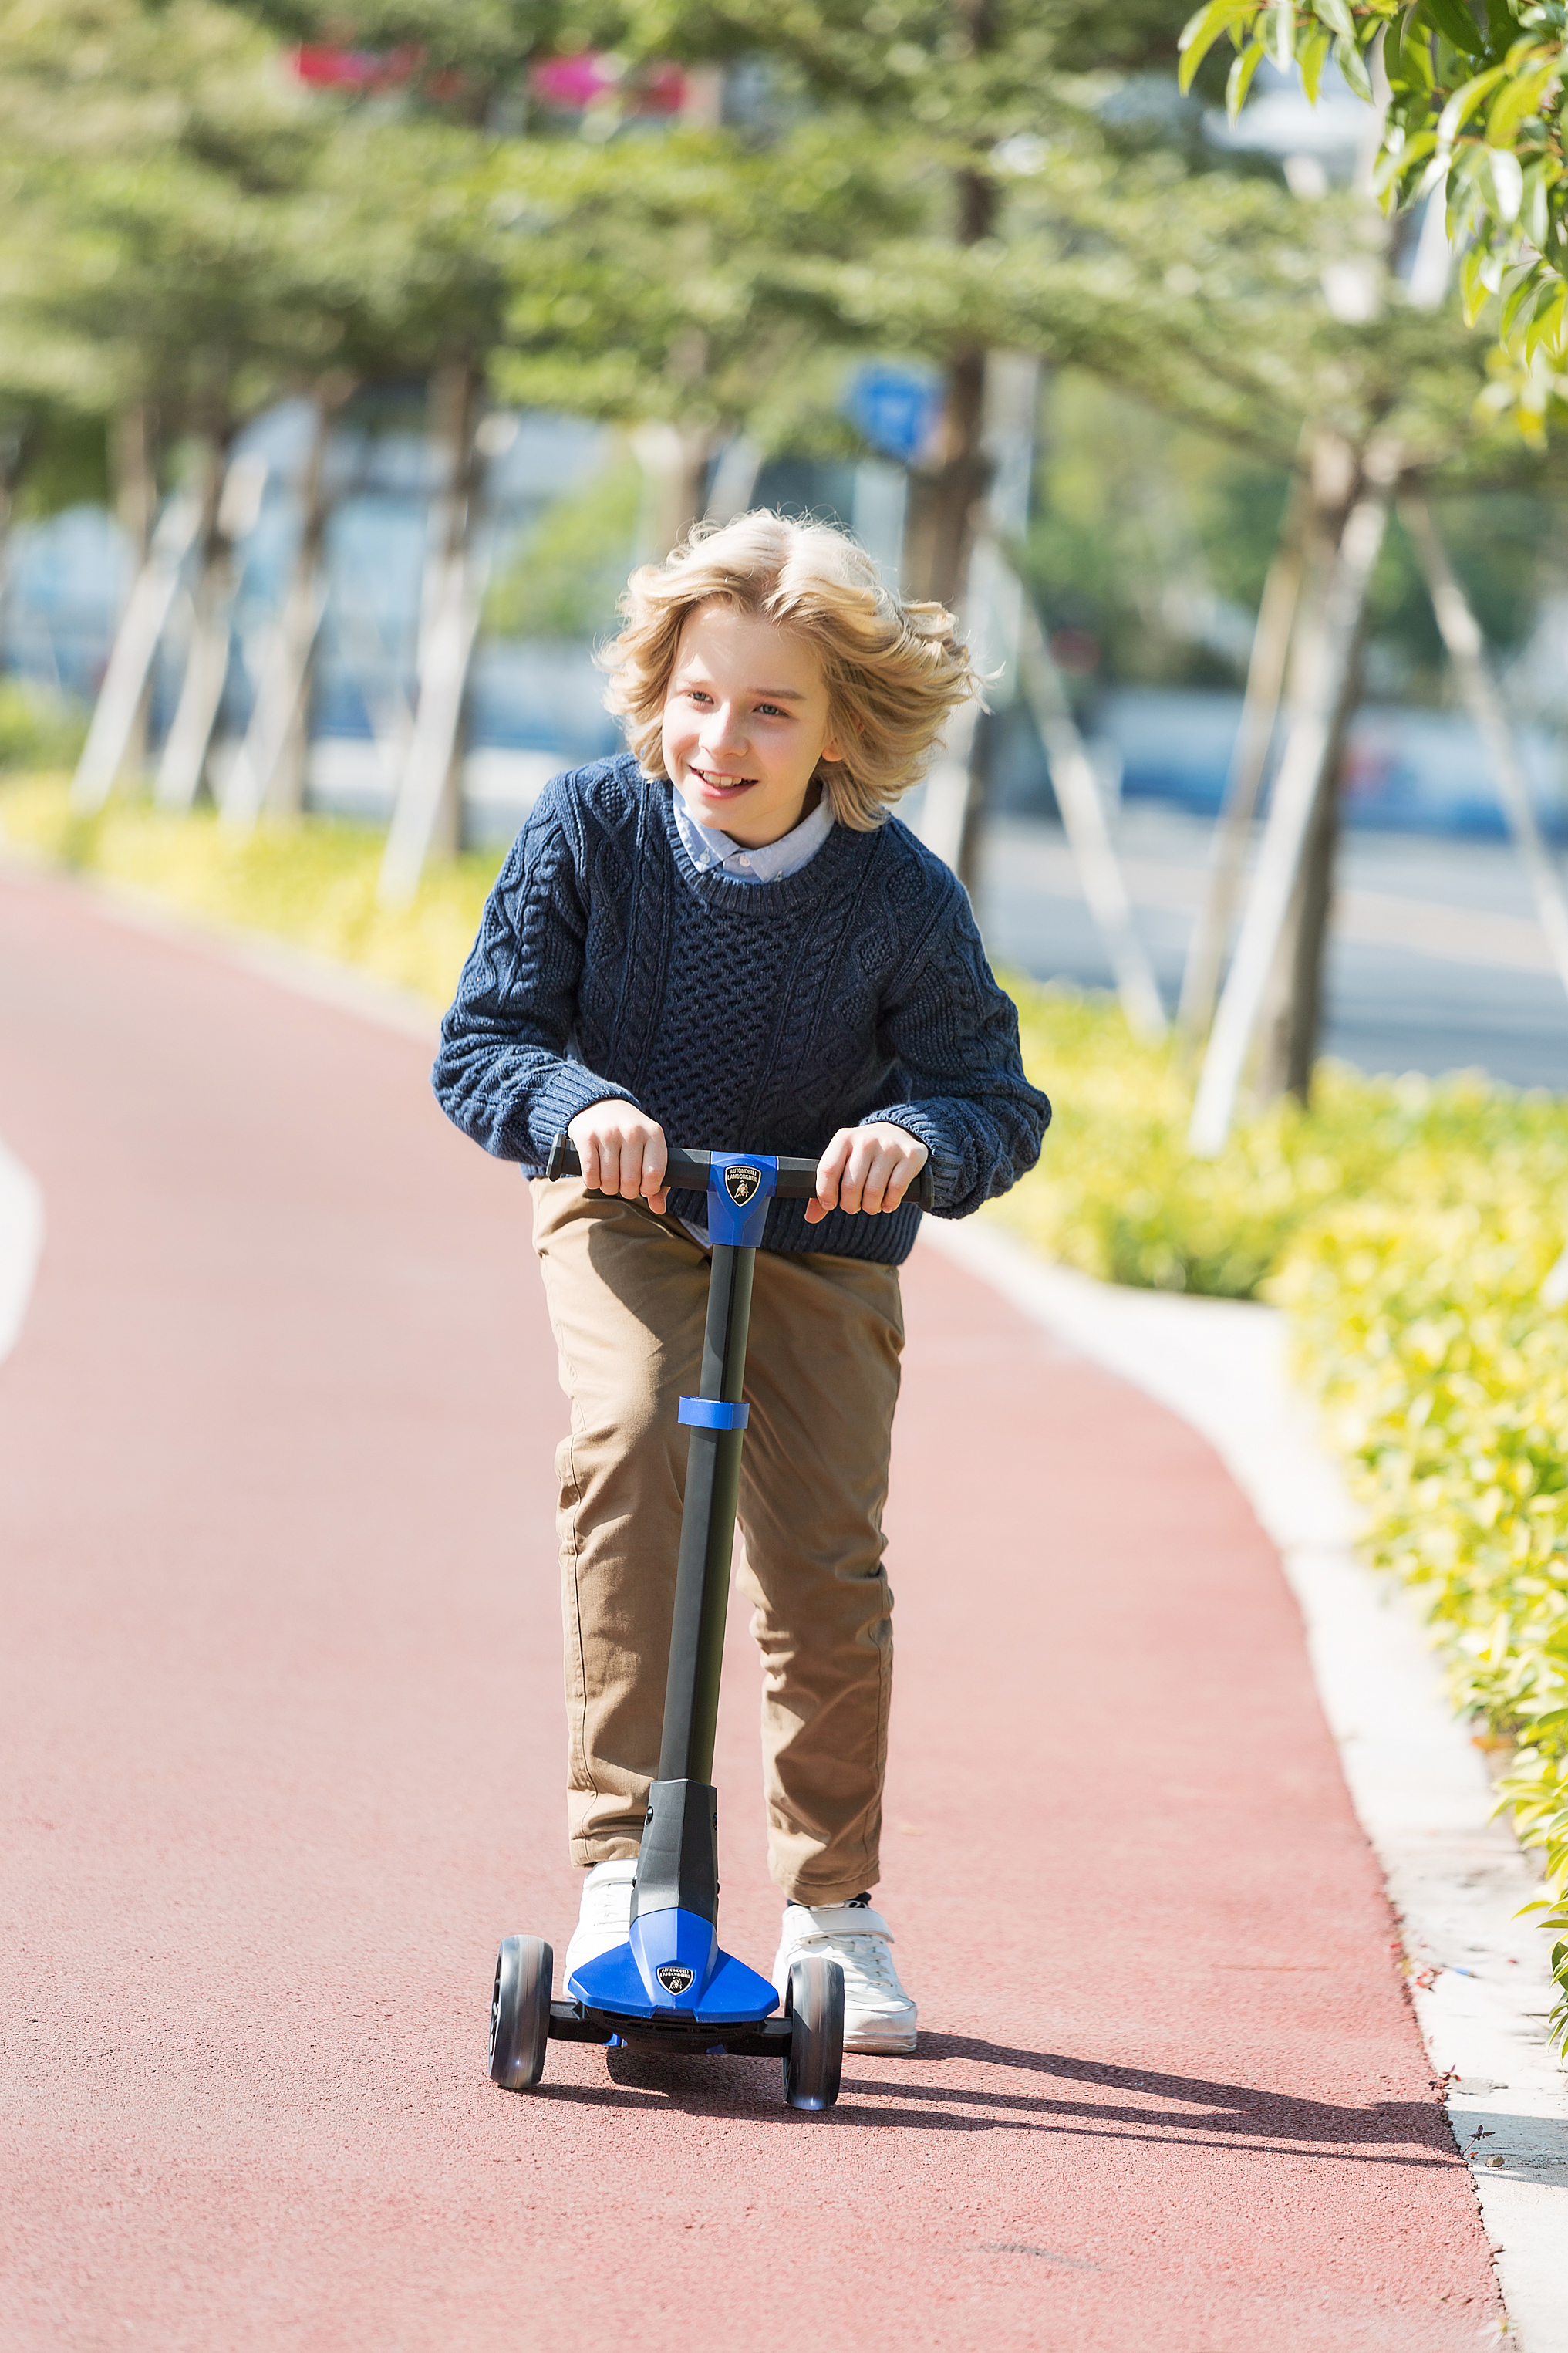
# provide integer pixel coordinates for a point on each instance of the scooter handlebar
(687, 1172)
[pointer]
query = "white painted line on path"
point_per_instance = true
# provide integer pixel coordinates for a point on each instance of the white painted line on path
(21, 1245)
(1455, 1875)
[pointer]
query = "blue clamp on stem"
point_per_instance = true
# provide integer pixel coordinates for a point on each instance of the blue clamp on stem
(712, 1413)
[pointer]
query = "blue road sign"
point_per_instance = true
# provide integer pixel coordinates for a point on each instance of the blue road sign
(895, 408)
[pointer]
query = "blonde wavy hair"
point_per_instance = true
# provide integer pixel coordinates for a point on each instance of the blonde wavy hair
(893, 671)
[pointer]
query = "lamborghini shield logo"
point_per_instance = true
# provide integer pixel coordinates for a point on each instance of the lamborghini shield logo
(674, 1976)
(741, 1184)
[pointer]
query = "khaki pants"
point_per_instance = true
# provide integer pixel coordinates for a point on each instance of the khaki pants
(628, 1296)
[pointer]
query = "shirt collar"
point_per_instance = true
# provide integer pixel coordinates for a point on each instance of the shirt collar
(711, 851)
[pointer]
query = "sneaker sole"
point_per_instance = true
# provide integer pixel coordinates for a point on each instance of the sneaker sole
(895, 2042)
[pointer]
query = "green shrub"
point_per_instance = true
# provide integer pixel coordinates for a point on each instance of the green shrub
(1419, 1322)
(1117, 1194)
(38, 729)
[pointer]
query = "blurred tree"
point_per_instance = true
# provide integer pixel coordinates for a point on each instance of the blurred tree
(461, 74)
(566, 574)
(660, 279)
(941, 178)
(193, 230)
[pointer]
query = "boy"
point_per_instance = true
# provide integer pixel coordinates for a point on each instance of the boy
(722, 939)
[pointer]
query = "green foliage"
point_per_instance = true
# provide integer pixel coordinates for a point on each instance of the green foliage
(1137, 525)
(687, 276)
(1118, 1195)
(929, 180)
(60, 459)
(187, 225)
(38, 730)
(1407, 1226)
(1419, 1319)
(457, 57)
(565, 576)
(1476, 108)
(1155, 540)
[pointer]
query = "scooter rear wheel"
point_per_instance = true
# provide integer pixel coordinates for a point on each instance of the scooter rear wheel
(520, 2012)
(815, 2007)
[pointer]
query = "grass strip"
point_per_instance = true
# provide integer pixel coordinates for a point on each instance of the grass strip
(312, 883)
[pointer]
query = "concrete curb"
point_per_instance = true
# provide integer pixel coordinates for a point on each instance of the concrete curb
(1479, 1976)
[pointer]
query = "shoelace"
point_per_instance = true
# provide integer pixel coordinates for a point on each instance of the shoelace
(867, 1952)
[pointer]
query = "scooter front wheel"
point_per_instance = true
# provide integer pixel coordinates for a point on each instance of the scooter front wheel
(816, 2008)
(520, 2012)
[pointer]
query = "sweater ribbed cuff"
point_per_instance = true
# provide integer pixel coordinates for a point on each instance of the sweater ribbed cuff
(573, 1088)
(946, 1168)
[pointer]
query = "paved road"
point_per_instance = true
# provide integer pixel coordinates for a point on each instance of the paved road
(281, 1758)
(1435, 960)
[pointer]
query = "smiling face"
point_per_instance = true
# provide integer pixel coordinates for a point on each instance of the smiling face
(746, 721)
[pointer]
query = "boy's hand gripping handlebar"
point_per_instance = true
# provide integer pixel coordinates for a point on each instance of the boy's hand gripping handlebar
(689, 1172)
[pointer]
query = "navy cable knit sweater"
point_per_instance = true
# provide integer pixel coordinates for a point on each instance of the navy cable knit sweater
(756, 1018)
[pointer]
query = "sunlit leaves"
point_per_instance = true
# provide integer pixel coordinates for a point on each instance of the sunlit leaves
(1475, 107)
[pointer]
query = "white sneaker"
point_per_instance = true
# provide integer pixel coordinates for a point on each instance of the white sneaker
(605, 1919)
(878, 2013)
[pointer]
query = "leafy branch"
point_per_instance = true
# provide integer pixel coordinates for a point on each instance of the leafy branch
(1473, 105)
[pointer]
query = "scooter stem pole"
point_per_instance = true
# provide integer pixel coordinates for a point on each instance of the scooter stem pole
(707, 1532)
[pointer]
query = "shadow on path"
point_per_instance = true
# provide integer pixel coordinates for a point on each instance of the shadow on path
(900, 2093)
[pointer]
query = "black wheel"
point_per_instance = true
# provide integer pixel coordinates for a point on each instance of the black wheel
(520, 2012)
(814, 2008)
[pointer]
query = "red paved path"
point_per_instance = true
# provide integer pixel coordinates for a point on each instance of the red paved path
(282, 1738)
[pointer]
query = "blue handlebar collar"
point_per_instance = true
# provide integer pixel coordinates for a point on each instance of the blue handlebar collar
(740, 1186)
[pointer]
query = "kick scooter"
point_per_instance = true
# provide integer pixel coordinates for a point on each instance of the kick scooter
(669, 1987)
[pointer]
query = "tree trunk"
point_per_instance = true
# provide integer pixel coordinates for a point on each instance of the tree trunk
(1076, 789)
(674, 459)
(133, 479)
(1327, 671)
(284, 791)
(1290, 1025)
(206, 660)
(1249, 764)
(121, 696)
(994, 593)
(1466, 650)
(269, 772)
(427, 815)
(1303, 1028)
(991, 604)
(11, 444)
(1290, 1019)
(944, 494)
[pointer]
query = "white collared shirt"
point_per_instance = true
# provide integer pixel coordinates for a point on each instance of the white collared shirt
(714, 853)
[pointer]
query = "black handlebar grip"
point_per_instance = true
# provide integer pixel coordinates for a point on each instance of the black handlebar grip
(688, 1172)
(797, 1182)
